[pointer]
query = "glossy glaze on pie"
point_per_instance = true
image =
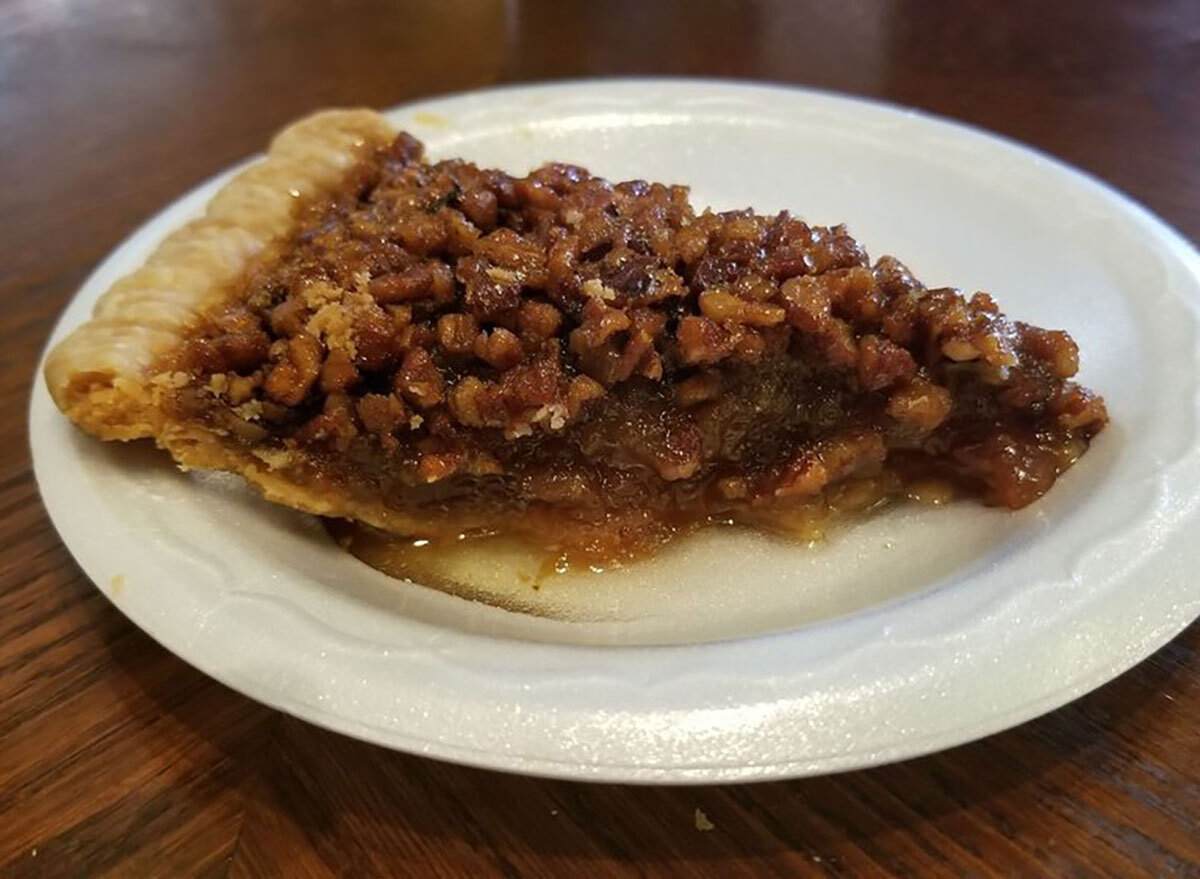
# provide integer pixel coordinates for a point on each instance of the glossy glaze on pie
(435, 349)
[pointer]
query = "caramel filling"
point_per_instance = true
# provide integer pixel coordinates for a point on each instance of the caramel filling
(596, 367)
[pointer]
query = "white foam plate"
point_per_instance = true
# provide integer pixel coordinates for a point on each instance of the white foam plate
(732, 656)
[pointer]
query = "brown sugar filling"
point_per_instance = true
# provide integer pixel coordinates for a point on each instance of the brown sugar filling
(594, 367)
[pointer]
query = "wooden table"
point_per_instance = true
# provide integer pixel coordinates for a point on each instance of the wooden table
(116, 759)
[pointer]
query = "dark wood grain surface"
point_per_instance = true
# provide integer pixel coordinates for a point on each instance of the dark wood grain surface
(118, 760)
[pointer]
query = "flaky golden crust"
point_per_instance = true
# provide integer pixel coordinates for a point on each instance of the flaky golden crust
(100, 375)
(286, 483)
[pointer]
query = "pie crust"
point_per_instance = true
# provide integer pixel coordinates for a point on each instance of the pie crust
(102, 376)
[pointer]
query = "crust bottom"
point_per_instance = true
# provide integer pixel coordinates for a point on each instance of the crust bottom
(194, 448)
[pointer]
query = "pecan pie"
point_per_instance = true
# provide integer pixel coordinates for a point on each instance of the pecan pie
(436, 349)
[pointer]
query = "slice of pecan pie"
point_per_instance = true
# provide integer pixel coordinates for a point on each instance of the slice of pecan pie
(436, 349)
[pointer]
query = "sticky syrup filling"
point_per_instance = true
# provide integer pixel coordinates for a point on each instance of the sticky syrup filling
(595, 368)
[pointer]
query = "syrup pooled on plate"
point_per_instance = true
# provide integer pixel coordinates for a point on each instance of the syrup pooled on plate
(514, 574)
